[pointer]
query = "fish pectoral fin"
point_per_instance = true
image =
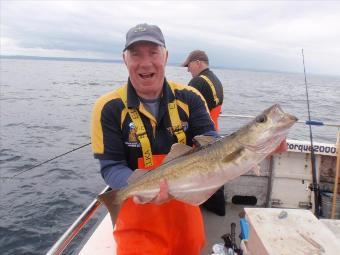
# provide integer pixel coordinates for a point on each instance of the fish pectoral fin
(202, 140)
(195, 198)
(177, 150)
(108, 199)
(233, 155)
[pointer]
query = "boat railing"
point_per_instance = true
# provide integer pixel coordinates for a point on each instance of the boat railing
(312, 122)
(75, 228)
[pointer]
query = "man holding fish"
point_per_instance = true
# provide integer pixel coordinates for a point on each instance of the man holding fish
(137, 125)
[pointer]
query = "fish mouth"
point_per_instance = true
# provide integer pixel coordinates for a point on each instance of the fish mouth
(285, 122)
(290, 118)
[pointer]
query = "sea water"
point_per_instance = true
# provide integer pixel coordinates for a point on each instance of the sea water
(46, 109)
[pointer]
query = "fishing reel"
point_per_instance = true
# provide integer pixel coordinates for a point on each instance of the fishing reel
(230, 242)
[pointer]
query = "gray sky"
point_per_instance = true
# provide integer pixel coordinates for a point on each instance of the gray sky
(265, 35)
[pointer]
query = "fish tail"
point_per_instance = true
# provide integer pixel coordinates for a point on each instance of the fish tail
(110, 201)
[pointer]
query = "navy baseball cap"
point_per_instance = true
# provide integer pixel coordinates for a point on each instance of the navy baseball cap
(146, 33)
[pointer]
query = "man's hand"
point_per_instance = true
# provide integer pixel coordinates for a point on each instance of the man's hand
(281, 148)
(162, 197)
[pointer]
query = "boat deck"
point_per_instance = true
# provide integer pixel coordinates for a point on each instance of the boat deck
(101, 241)
(217, 226)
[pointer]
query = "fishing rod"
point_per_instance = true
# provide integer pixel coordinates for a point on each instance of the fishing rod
(46, 161)
(315, 185)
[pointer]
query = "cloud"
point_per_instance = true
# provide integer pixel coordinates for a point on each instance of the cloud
(242, 34)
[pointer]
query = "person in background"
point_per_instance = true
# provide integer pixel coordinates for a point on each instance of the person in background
(134, 127)
(206, 82)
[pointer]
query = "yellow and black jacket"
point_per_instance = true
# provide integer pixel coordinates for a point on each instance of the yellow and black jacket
(213, 96)
(114, 134)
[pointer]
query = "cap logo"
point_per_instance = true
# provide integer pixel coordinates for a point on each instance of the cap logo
(140, 29)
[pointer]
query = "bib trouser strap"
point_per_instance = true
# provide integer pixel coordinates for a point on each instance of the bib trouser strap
(175, 120)
(212, 87)
(140, 129)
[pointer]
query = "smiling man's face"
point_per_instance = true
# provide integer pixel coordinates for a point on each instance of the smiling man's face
(146, 62)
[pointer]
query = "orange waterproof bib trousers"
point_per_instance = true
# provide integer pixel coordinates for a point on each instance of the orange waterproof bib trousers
(169, 229)
(214, 114)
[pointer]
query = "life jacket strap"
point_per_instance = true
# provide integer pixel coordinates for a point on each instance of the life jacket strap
(212, 87)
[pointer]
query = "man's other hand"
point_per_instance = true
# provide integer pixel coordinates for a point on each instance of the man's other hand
(162, 197)
(283, 146)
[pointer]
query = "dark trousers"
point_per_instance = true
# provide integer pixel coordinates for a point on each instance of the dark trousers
(216, 203)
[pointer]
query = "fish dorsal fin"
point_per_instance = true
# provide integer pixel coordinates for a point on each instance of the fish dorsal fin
(233, 155)
(177, 150)
(136, 175)
(202, 140)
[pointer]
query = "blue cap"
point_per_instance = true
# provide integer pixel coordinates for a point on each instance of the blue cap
(146, 33)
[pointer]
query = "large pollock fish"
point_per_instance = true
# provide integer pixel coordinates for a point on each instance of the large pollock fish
(194, 174)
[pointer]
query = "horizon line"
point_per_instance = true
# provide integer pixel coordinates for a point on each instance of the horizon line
(121, 61)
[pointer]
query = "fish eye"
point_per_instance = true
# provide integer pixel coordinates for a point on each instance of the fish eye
(261, 118)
